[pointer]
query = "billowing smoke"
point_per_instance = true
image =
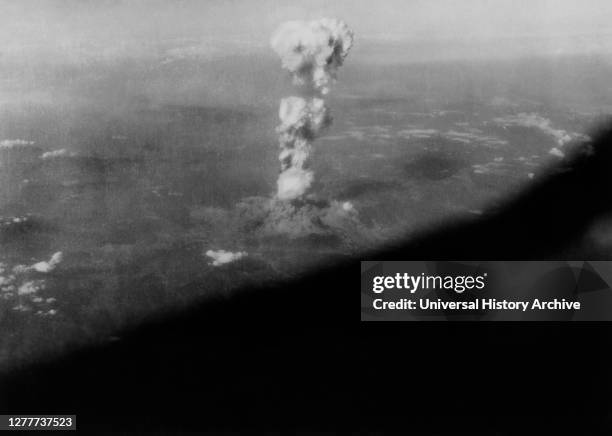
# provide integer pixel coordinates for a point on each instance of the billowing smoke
(312, 52)
(301, 122)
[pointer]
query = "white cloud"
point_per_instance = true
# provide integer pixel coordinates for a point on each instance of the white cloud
(536, 121)
(475, 136)
(41, 267)
(222, 257)
(204, 50)
(347, 206)
(21, 308)
(417, 133)
(57, 153)
(556, 152)
(48, 266)
(12, 143)
(16, 283)
(30, 287)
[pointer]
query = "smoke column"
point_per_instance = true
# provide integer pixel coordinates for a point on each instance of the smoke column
(312, 52)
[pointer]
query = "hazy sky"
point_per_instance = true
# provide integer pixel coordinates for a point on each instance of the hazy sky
(50, 25)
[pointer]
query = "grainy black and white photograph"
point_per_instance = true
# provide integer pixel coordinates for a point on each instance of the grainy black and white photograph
(201, 177)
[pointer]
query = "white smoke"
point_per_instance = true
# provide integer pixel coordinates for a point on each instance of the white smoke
(293, 183)
(312, 52)
(301, 121)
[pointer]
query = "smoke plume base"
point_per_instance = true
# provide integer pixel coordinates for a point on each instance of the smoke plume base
(302, 218)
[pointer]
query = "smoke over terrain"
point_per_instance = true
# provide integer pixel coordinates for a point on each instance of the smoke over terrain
(312, 52)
